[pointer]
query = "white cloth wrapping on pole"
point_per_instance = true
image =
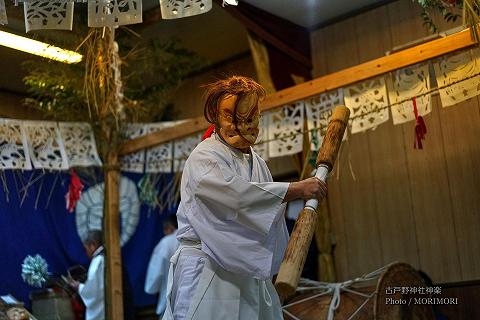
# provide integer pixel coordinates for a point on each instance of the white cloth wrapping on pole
(92, 291)
(231, 206)
(157, 272)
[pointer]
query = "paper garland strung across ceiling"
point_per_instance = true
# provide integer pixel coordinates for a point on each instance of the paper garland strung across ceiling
(45, 145)
(13, 146)
(113, 13)
(46, 14)
(174, 9)
(160, 158)
(368, 104)
(79, 143)
(405, 84)
(182, 149)
(261, 145)
(453, 68)
(133, 162)
(3, 13)
(285, 130)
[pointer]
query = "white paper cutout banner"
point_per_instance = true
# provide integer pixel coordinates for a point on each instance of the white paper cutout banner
(319, 110)
(173, 9)
(47, 14)
(79, 143)
(113, 13)
(45, 145)
(368, 104)
(261, 145)
(160, 158)
(182, 149)
(134, 162)
(453, 68)
(404, 84)
(285, 130)
(13, 146)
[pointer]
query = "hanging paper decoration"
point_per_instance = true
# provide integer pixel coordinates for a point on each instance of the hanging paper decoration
(451, 70)
(13, 146)
(47, 14)
(403, 85)
(368, 104)
(3, 13)
(89, 210)
(45, 145)
(285, 130)
(74, 191)
(160, 158)
(182, 149)
(319, 111)
(173, 9)
(112, 13)
(79, 143)
(134, 162)
(35, 271)
(230, 2)
(261, 145)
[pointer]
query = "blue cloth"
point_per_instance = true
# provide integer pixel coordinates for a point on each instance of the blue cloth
(34, 228)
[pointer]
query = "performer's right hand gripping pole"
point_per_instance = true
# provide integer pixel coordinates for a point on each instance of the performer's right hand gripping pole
(301, 237)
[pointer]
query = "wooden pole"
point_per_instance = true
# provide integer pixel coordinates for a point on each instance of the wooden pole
(301, 237)
(111, 227)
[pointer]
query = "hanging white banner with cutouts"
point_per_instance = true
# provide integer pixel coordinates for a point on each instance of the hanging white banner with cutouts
(13, 146)
(319, 111)
(285, 130)
(160, 158)
(113, 13)
(261, 145)
(135, 161)
(47, 14)
(3, 13)
(173, 9)
(182, 149)
(406, 84)
(45, 145)
(450, 70)
(79, 143)
(368, 104)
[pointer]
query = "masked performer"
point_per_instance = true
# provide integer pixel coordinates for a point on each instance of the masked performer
(232, 229)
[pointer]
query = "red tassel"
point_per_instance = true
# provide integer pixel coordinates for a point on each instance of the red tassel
(420, 127)
(209, 132)
(74, 191)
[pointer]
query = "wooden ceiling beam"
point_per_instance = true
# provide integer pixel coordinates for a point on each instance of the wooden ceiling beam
(342, 78)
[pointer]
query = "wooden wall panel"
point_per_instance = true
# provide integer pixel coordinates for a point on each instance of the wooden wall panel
(418, 206)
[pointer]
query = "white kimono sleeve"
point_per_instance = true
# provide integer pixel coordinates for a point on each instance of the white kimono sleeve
(92, 291)
(236, 219)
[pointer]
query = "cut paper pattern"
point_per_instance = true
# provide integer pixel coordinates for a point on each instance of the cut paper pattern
(13, 146)
(3, 13)
(368, 104)
(173, 9)
(285, 130)
(46, 14)
(113, 13)
(319, 111)
(159, 158)
(89, 210)
(45, 145)
(182, 149)
(79, 143)
(453, 68)
(134, 162)
(261, 145)
(405, 84)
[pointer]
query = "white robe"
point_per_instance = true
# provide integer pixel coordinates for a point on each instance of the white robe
(157, 272)
(231, 207)
(92, 291)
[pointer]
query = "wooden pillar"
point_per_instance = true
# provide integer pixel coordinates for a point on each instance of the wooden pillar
(111, 234)
(323, 238)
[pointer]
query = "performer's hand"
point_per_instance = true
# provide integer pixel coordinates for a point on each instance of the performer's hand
(306, 189)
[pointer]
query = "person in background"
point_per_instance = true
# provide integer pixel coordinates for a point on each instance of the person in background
(157, 272)
(92, 291)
